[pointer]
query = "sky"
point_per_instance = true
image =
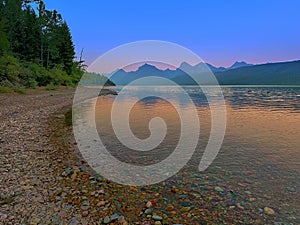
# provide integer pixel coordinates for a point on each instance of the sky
(219, 31)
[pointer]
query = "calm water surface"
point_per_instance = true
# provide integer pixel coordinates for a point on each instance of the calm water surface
(260, 154)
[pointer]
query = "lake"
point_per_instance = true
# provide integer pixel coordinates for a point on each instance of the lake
(258, 164)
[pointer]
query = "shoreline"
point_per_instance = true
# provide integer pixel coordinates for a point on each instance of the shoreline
(59, 187)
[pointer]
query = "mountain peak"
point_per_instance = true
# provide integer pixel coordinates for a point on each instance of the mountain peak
(184, 65)
(239, 64)
(147, 66)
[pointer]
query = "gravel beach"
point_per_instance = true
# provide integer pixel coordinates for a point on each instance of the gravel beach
(26, 173)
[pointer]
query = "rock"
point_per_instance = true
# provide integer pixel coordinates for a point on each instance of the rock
(84, 207)
(153, 201)
(173, 213)
(269, 211)
(146, 223)
(186, 209)
(240, 207)
(219, 189)
(59, 116)
(133, 187)
(170, 208)
(148, 211)
(157, 223)
(106, 220)
(185, 204)
(3, 216)
(174, 189)
(69, 206)
(34, 221)
(149, 204)
(101, 203)
(67, 172)
(101, 192)
(74, 221)
(157, 218)
(85, 213)
(115, 216)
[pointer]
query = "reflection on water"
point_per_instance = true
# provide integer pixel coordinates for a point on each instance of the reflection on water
(260, 152)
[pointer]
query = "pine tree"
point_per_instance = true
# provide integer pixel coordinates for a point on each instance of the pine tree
(66, 47)
(14, 25)
(4, 43)
(31, 39)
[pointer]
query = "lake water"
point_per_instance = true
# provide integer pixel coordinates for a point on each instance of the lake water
(259, 162)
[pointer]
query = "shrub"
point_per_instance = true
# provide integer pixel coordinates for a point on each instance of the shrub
(60, 77)
(10, 69)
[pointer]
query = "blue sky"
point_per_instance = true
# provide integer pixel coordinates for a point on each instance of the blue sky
(220, 32)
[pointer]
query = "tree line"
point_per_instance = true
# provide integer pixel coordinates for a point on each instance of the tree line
(36, 46)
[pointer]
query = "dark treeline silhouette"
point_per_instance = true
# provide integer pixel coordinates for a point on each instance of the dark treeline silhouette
(36, 46)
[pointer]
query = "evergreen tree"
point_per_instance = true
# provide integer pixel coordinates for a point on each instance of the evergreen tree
(31, 39)
(36, 46)
(14, 25)
(4, 43)
(66, 47)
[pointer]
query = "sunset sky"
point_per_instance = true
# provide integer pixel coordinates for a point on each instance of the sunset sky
(220, 32)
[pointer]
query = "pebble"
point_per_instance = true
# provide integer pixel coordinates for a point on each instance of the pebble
(170, 208)
(269, 211)
(101, 203)
(148, 211)
(219, 189)
(157, 218)
(106, 220)
(186, 209)
(3, 216)
(149, 204)
(34, 221)
(115, 216)
(74, 221)
(146, 223)
(85, 213)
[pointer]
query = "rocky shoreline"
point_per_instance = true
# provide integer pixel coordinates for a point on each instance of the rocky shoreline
(45, 181)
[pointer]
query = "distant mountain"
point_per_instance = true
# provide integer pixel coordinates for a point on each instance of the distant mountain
(283, 73)
(238, 65)
(240, 73)
(200, 67)
(121, 77)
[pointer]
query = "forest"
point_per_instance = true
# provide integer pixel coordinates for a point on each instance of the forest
(36, 47)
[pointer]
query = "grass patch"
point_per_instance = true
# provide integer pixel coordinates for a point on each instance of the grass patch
(19, 90)
(51, 87)
(6, 90)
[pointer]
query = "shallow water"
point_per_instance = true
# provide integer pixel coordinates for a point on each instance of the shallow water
(260, 153)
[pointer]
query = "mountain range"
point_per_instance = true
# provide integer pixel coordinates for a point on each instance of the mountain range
(240, 73)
